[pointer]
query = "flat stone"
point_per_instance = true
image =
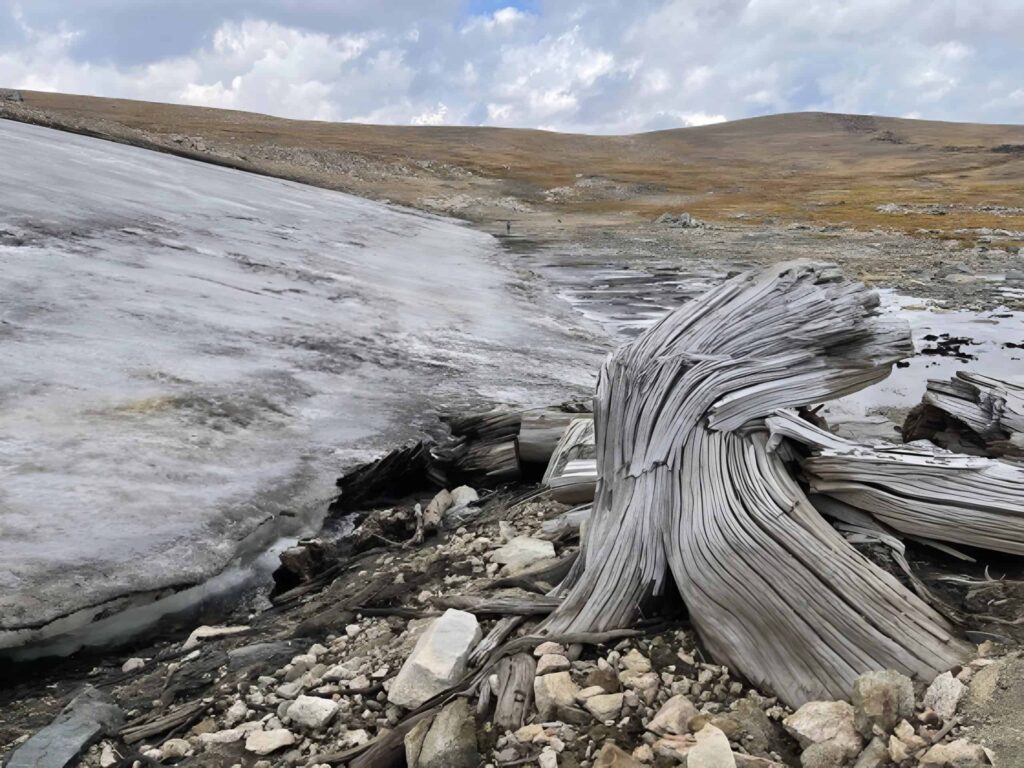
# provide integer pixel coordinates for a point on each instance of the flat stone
(522, 551)
(944, 694)
(227, 736)
(880, 700)
(607, 706)
(311, 712)
(438, 661)
(712, 750)
(88, 717)
(673, 717)
(820, 721)
(549, 647)
(265, 742)
(553, 691)
(451, 740)
(552, 662)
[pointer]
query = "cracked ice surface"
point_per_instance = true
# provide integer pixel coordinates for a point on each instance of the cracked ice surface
(186, 351)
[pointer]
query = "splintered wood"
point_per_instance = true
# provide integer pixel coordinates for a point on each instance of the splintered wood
(689, 491)
(919, 490)
(972, 414)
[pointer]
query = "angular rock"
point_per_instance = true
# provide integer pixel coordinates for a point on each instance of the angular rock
(635, 661)
(673, 717)
(944, 694)
(817, 722)
(825, 754)
(87, 718)
(521, 552)
(311, 712)
(955, 754)
(438, 661)
(553, 691)
(880, 700)
(549, 647)
(552, 662)
(463, 496)
(611, 756)
(414, 740)
(711, 751)
(607, 706)
(133, 665)
(265, 742)
(547, 759)
(451, 740)
(173, 748)
(875, 754)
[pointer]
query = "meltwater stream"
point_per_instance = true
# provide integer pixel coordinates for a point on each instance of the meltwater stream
(189, 356)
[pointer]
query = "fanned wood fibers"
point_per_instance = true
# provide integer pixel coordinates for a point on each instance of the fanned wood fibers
(685, 492)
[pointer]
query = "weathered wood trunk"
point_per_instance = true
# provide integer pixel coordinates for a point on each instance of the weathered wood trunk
(541, 432)
(686, 492)
(571, 475)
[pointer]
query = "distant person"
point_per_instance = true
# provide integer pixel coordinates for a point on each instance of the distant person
(508, 227)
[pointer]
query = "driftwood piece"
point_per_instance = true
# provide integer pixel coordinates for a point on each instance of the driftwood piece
(494, 460)
(514, 695)
(916, 489)
(571, 475)
(686, 493)
(401, 472)
(492, 425)
(540, 433)
(971, 413)
(173, 718)
(531, 605)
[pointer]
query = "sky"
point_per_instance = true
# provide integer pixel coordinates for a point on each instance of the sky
(594, 66)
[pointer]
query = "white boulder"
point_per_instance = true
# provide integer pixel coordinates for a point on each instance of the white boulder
(438, 661)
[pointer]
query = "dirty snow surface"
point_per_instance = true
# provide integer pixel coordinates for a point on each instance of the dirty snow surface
(187, 352)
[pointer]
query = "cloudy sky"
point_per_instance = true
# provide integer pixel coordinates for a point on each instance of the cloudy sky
(570, 65)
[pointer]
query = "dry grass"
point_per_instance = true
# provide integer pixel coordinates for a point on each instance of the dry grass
(809, 167)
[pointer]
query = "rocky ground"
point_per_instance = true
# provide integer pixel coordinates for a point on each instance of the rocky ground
(366, 628)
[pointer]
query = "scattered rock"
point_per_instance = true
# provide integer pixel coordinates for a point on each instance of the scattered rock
(826, 754)
(880, 700)
(711, 751)
(553, 691)
(174, 748)
(611, 756)
(463, 496)
(451, 740)
(635, 661)
(875, 754)
(133, 665)
(88, 717)
(817, 722)
(944, 694)
(311, 712)
(673, 717)
(265, 742)
(606, 706)
(552, 662)
(438, 661)
(549, 648)
(955, 754)
(521, 552)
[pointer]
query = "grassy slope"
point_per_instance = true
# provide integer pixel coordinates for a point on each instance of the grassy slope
(816, 167)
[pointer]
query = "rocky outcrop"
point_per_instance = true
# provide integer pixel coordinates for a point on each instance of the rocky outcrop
(88, 717)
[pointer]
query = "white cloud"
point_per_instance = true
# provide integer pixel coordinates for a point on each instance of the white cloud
(588, 65)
